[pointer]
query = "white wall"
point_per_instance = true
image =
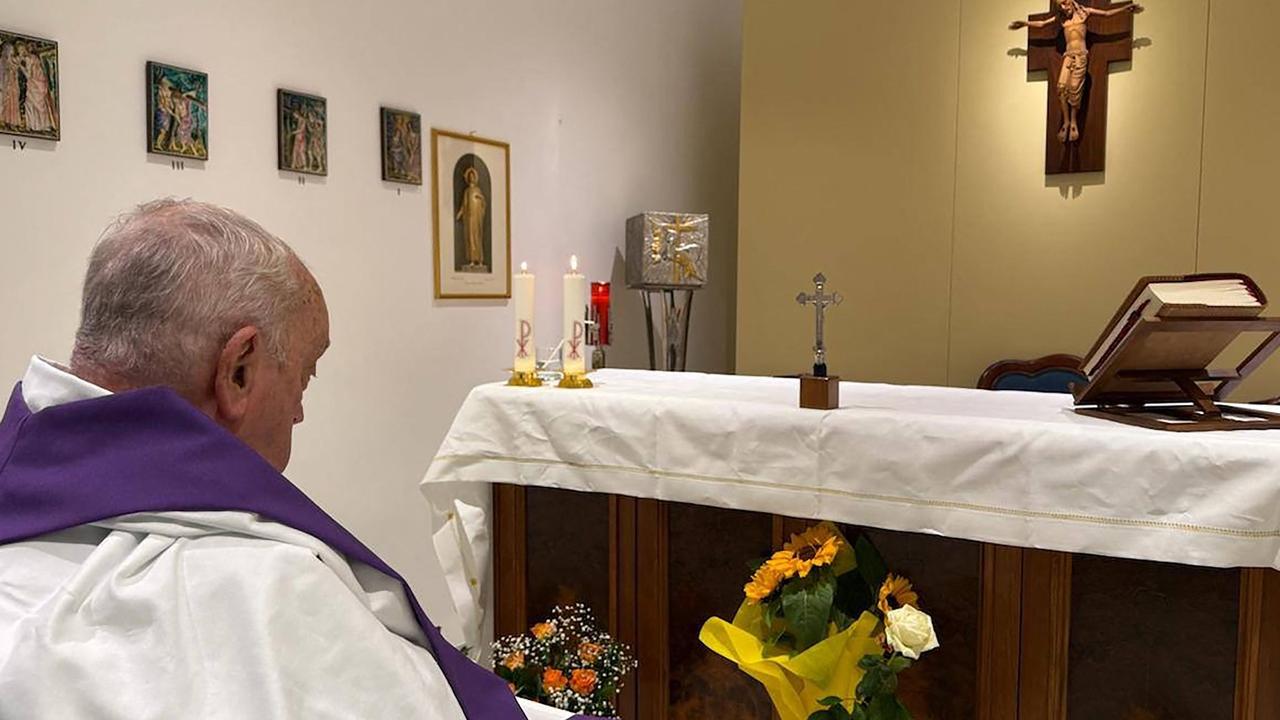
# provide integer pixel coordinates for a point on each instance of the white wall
(611, 107)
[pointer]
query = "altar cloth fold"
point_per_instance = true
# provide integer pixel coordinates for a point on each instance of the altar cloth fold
(1011, 468)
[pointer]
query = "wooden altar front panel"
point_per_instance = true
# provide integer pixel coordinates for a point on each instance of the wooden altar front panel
(555, 547)
(1007, 615)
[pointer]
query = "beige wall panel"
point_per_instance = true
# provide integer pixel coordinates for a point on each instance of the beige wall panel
(847, 166)
(1238, 221)
(1040, 266)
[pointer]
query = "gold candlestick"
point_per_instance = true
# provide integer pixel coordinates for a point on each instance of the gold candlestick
(524, 379)
(575, 381)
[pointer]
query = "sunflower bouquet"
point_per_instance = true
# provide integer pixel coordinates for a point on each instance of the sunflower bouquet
(565, 662)
(826, 629)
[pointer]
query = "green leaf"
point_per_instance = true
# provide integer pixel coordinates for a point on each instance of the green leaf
(823, 715)
(841, 620)
(859, 713)
(898, 663)
(845, 560)
(871, 683)
(870, 563)
(883, 707)
(869, 661)
(887, 707)
(807, 605)
(830, 700)
(853, 595)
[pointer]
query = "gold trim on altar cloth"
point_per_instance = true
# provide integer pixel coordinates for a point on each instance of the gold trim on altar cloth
(921, 502)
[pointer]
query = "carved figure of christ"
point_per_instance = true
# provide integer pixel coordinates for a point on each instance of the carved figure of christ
(1076, 42)
(820, 301)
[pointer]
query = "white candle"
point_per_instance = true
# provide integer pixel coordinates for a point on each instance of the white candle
(522, 294)
(573, 352)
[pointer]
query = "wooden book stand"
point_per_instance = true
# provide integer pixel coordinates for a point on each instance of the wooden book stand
(1159, 378)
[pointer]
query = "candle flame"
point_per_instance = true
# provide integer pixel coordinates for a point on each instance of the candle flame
(524, 267)
(573, 263)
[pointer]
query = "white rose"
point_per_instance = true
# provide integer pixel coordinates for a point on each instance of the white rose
(910, 631)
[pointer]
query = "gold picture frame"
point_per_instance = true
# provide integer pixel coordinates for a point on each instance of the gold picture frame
(471, 216)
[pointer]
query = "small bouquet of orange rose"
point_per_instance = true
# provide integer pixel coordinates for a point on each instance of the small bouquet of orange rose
(826, 629)
(565, 662)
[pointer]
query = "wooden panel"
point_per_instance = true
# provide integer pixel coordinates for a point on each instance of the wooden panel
(556, 546)
(1000, 628)
(1258, 661)
(709, 553)
(946, 572)
(651, 643)
(785, 527)
(1026, 634)
(1046, 621)
(510, 577)
(623, 602)
(1152, 641)
(567, 551)
(949, 575)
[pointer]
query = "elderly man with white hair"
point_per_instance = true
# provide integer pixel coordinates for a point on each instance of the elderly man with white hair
(154, 561)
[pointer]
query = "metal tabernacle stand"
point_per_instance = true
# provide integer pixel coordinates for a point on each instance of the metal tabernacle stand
(668, 328)
(667, 261)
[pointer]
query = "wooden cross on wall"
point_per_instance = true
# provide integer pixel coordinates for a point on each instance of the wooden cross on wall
(1108, 39)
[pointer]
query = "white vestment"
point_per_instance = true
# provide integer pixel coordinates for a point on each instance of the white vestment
(204, 615)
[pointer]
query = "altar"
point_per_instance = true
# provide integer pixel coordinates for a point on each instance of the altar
(1077, 568)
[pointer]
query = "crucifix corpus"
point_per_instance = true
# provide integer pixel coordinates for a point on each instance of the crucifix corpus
(1076, 42)
(819, 391)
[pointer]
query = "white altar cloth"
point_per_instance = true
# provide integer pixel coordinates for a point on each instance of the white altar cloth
(1012, 468)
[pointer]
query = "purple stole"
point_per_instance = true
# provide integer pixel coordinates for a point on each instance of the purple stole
(151, 451)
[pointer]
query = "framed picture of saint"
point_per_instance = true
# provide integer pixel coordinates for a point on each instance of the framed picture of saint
(401, 146)
(303, 133)
(177, 111)
(471, 199)
(29, 87)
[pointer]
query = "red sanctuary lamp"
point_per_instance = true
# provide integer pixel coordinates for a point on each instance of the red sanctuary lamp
(601, 324)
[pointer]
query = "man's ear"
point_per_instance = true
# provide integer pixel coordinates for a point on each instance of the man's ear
(234, 377)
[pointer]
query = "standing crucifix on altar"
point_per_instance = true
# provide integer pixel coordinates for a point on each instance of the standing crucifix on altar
(1076, 42)
(819, 391)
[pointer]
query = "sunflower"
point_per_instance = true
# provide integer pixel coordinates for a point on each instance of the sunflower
(763, 583)
(812, 548)
(899, 590)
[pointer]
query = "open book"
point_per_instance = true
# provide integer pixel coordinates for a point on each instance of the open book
(1187, 296)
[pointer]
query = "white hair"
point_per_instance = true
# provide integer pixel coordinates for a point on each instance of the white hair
(171, 281)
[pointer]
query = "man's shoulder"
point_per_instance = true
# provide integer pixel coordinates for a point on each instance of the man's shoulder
(233, 546)
(236, 564)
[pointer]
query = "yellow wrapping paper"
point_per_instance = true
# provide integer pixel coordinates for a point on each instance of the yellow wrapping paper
(795, 683)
